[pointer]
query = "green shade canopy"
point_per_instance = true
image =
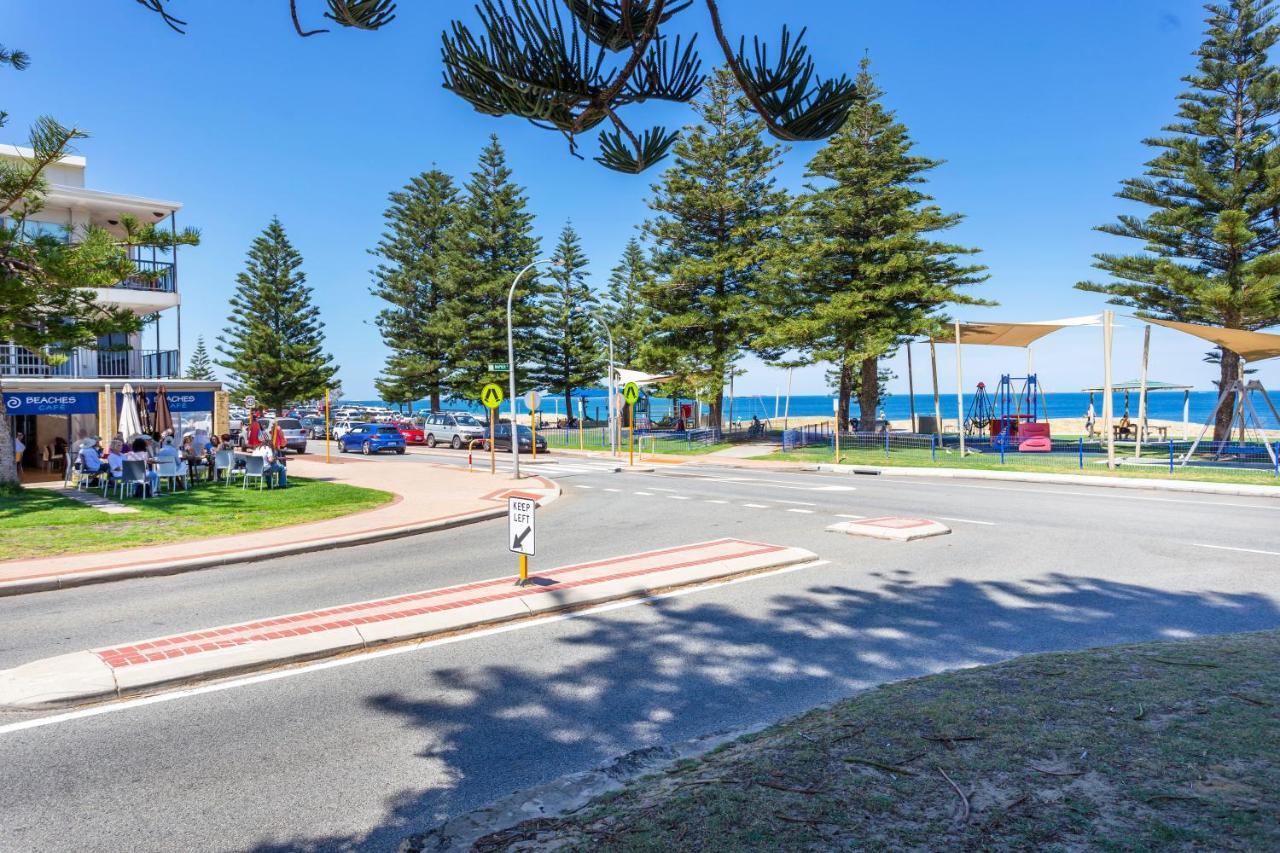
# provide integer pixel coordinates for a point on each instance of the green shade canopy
(1136, 385)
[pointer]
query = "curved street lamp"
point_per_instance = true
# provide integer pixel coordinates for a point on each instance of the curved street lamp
(511, 366)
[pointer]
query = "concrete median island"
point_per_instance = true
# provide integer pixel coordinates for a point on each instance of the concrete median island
(125, 668)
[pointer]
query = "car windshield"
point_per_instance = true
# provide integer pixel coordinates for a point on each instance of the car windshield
(525, 432)
(467, 420)
(289, 423)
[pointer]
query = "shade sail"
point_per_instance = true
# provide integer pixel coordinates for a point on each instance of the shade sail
(1252, 346)
(1012, 334)
(1136, 385)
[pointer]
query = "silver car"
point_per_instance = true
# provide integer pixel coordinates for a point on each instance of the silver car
(454, 429)
(295, 434)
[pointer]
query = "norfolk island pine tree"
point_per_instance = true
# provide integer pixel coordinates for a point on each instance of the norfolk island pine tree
(718, 208)
(201, 366)
(623, 305)
(570, 353)
(856, 271)
(273, 343)
(412, 278)
(1210, 234)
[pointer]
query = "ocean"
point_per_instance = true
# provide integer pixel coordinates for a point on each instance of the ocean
(1161, 405)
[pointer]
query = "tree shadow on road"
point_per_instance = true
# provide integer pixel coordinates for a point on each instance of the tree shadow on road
(625, 680)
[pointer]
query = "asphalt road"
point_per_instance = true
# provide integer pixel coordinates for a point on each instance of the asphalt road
(361, 753)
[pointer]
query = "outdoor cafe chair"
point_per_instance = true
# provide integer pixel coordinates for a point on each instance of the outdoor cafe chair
(224, 460)
(134, 473)
(169, 473)
(255, 466)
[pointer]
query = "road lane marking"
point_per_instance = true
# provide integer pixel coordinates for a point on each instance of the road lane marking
(965, 520)
(582, 486)
(711, 501)
(333, 663)
(757, 506)
(805, 511)
(1101, 492)
(846, 515)
(796, 503)
(1243, 550)
(613, 490)
(660, 489)
(679, 497)
(645, 494)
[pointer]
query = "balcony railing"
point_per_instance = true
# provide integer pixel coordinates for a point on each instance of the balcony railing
(156, 276)
(16, 361)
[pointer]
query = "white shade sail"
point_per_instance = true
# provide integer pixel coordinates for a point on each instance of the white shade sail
(1012, 334)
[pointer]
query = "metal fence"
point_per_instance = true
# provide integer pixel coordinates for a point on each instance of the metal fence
(1232, 459)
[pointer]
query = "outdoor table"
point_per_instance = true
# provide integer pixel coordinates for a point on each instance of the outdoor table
(1120, 431)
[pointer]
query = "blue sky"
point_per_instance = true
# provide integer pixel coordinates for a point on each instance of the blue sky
(1039, 110)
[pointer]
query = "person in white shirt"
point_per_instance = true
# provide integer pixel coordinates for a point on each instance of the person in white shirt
(272, 469)
(139, 454)
(115, 458)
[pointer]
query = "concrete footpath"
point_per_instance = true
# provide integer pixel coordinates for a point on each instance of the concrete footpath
(428, 497)
(139, 666)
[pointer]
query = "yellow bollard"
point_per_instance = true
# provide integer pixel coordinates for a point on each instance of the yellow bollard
(533, 425)
(524, 569)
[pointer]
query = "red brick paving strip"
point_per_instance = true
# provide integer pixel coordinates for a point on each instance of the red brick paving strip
(358, 614)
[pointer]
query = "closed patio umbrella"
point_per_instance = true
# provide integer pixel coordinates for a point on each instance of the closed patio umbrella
(144, 414)
(163, 418)
(130, 424)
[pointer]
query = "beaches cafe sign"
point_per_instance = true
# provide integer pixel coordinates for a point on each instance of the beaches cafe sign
(50, 403)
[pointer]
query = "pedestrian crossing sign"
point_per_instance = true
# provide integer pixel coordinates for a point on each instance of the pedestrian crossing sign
(491, 395)
(631, 393)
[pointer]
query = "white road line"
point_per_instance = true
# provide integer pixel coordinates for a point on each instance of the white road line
(613, 490)
(275, 675)
(710, 501)
(805, 511)
(795, 503)
(846, 515)
(645, 494)
(581, 486)
(1242, 550)
(1102, 492)
(678, 497)
(965, 520)
(660, 489)
(756, 506)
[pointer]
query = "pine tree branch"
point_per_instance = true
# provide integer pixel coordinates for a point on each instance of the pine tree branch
(297, 25)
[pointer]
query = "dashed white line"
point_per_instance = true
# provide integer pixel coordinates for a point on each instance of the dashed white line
(796, 503)
(966, 520)
(711, 501)
(846, 515)
(660, 489)
(756, 506)
(679, 497)
(581, 486)
(805, 511)
(613, 490)
(645, 494)
(1242, 550)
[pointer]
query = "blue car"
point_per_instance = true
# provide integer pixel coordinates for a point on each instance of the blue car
(372, 438)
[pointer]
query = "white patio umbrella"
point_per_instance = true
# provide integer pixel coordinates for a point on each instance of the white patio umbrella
(129, 423)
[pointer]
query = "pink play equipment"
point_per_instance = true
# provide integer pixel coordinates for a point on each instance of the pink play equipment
(1034, 437)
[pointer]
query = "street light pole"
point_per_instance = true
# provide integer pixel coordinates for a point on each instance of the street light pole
(511, 369)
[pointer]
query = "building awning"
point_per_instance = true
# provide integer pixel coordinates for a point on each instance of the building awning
(1012, 334)
(1251, 346)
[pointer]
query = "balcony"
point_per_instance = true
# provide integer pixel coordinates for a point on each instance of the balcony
(16, 361)
(153, 276)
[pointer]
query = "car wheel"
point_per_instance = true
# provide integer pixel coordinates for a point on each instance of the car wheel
(456, 444)
(431, 440)
(366, 448)
(400, 451)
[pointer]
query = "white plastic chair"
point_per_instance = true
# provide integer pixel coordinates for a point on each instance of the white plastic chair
(224, 460)
(169, 473)
(255, 466)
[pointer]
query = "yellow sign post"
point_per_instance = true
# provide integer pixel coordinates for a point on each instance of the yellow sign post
(491, 396)
(631, 393)
(531, 399)
(326, 426)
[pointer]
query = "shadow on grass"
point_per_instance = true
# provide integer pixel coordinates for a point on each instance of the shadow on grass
(623, 681)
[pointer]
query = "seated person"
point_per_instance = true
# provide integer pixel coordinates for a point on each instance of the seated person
(115, 458)
(273, 470)
(139, 453)
(91, 456)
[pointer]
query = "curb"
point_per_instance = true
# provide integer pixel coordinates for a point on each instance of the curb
(99, 675)
(1197, 487)
(23, 586)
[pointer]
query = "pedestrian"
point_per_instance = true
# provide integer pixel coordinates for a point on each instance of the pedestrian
(18, 449)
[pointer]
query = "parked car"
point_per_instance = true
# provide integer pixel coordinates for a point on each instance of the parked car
(502, 439)
(412, 433)
(455, 429)
(314, 426)
(295, 434)
(371, 438)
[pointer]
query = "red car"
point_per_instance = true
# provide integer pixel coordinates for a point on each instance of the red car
(412, 433)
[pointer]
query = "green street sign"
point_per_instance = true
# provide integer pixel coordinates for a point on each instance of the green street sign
(631, 393)
(499, 367)
(491, 395)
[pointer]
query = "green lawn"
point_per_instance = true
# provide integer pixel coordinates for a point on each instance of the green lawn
(41, 523)
(1043, 463)
(682, 448)
(1149, 747)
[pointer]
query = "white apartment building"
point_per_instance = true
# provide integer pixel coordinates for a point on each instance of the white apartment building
(53, 404)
